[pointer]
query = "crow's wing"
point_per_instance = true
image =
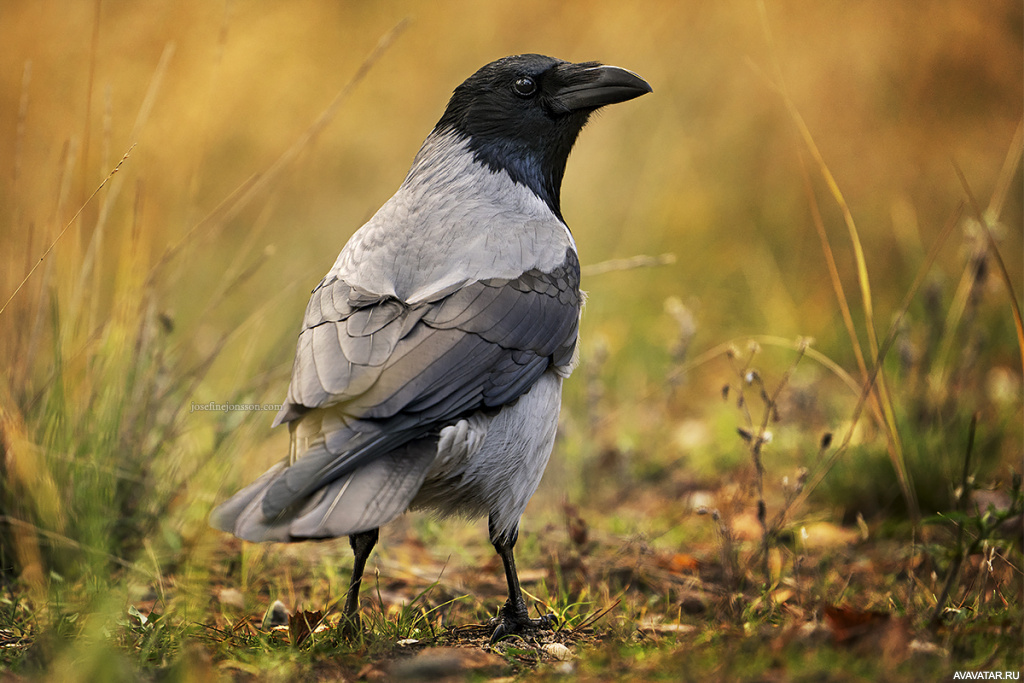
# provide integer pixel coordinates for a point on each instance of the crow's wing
(372, 373)
(359, 500)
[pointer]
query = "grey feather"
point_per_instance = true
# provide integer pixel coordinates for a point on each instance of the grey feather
(364, 499)
(492, 464)
(470, 350)
(242, 514)
(452, 221)
(368, 497)
(439, 307)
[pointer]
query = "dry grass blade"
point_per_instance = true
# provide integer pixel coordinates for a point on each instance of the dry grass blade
(837, 286)
(639, 261)
(880, 396)
(593, 618)
(833, 273)
(257, 182)
(65, 229)
(878, 385)
(963, 497)
(1005, 179)
(962, 295)
(61, 539)
(993, 249)
(93, 58)
(91, 264)
(800, 345)
(868, 387)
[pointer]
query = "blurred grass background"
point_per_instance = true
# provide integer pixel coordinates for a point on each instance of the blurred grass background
(184, 279)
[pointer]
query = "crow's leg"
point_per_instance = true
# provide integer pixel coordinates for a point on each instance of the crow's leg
(362, 543)
(514, 618)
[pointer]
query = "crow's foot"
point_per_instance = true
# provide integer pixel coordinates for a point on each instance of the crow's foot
(351, 626)
(515, 620)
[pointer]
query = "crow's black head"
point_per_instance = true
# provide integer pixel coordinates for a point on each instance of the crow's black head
(522, 114)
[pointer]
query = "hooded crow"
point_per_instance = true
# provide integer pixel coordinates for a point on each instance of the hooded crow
(429, 368)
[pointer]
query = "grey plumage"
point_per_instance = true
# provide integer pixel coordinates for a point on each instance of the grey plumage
(429, 366)
(376, 369)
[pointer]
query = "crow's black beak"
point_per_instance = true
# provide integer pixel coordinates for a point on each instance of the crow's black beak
(589, 86)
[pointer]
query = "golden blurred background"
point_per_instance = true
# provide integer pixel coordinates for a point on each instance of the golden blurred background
(708, 168)
(214, 100)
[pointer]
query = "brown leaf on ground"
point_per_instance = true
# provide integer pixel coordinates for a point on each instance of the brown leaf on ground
(870, 631)
(575, 525)
(301, 624)
(679, 563)
(849, 625)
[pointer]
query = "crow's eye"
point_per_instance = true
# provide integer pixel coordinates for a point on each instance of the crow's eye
(524, 86)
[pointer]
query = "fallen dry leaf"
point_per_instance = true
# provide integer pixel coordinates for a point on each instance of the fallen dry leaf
(301, 624)
(870, 632)
(849, 624)
(678, 563)
(575, 525)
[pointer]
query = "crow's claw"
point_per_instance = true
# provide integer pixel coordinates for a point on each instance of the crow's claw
(515, 620)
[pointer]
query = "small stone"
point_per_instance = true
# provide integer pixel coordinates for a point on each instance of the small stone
(277, 615)
(558, 651)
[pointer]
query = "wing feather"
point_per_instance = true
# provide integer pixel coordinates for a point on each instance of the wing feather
(399, 372)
